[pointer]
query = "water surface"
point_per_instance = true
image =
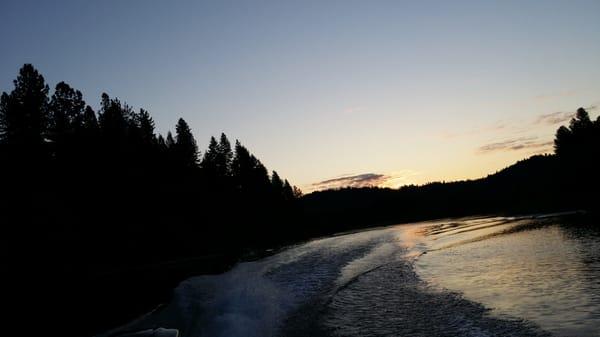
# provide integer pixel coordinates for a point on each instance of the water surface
(546, 271)
(492, 276)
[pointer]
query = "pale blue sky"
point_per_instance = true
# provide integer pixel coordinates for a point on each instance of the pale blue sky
(319, 89)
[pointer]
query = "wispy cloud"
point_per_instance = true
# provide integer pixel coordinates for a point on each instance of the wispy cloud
(554, 118)
(515, 127)
(516, 144)
(353, 110)
(559, 117)
(357, 180)
(498, 126)
(394, 179)
(561, 94)
(399, 178)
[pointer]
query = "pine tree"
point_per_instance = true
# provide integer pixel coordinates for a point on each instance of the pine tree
(577, 142)
(112, 120)
(297, 192)
(277, 185)
(24, 112)
(162, 151)
(66, 108)
(563, 142)
(209, 161)
(225, 156)
(288, 192)
(169, 142)
(160, 141)
(146, 127)
(260, 176)
(185, 145)
(89, 121)
(581, 121)
(86, 140)
(241, 167)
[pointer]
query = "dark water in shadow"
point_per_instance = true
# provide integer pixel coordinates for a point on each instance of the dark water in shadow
(478, 277)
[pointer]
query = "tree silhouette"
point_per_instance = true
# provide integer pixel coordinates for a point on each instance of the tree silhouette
(581, 122)
(563, 142)
(186, 150)
(287, 191)
(210, 160)
(224, 157)
(297, 192)
(277, 184)
(24, 112)
(241, 168)
(259, 176)
(65, 121)
(113, 121)
(89, 122)
(66, 108)
(578, 149)
(169, 142)
(160, 140)
(580, 141)
(146, 127)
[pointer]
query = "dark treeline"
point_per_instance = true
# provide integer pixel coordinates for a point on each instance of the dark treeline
(64, 164)
(89, 196)
(566, 180)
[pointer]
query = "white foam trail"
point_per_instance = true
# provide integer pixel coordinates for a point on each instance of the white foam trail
(254, 298)
(242, 302)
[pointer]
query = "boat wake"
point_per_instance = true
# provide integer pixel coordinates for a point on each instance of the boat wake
(360, 284)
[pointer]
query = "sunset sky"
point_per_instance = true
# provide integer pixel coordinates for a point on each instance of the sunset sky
(330, 93)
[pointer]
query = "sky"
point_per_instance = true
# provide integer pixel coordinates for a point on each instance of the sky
(329, 93)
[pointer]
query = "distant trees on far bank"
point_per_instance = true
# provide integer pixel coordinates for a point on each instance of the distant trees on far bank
(566, 180)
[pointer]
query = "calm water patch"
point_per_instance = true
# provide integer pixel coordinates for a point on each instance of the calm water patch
(546, 271)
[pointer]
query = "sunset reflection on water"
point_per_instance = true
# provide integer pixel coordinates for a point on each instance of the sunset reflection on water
(547, 273)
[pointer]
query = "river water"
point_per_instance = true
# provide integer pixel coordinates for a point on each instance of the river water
(491, 276)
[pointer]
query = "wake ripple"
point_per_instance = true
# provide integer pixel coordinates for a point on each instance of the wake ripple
(393, 301)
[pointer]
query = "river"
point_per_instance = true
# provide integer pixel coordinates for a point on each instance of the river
(486, 276)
